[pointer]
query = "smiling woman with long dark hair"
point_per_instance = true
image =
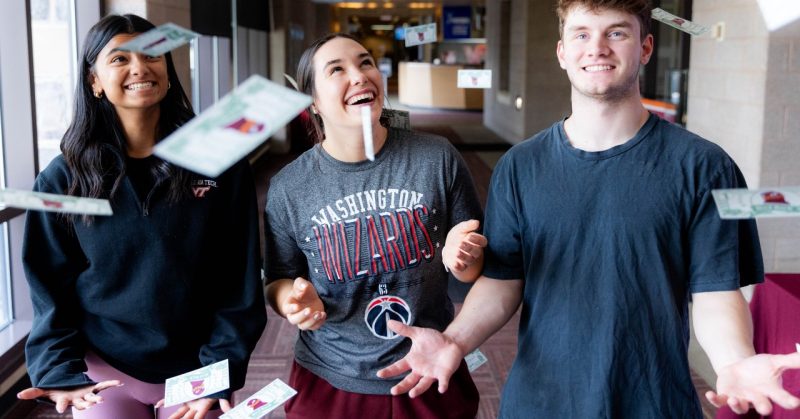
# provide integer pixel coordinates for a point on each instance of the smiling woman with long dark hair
(167, 284)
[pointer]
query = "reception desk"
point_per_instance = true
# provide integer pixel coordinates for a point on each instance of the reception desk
(434, 86)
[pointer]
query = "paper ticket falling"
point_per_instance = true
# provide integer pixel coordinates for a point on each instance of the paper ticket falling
(475, 359)
(159, 40)
(474, 79)
(397, 119)
(678, 22)
(366, 123)
(241, 121)
(422, 34)
(262, 402)
(197, 384)
(55, 203)
(761, 203)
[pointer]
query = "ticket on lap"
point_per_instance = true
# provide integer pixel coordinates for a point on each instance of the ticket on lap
(262, 402)
(197, 384)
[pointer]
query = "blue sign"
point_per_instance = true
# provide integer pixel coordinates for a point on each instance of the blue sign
(457, 21)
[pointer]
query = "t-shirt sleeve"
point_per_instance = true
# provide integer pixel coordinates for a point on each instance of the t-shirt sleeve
(282, 257)
(724, 254)
(503, 254)
(463, 197)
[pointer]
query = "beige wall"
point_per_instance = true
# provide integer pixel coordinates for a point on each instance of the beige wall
(780, 158)
(744, 94)
(120, 7)
(727, 82)
(534, 71)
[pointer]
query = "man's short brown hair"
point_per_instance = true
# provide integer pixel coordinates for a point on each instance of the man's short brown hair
(639, 8)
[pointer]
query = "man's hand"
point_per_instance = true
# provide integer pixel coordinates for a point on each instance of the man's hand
(433, 357)
(80, 398)
(755, 381)
(463, 247)
(303, 307)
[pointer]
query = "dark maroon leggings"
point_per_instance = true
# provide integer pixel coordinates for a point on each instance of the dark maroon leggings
(317, 399)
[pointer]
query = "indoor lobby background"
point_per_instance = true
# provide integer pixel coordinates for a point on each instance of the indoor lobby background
(738, 86)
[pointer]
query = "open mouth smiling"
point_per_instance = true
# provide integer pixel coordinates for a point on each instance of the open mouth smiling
(140, 85)
(598, 67)
(361, 98)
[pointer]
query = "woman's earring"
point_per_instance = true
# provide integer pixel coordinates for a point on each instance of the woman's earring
(169, 85)
(99, 94)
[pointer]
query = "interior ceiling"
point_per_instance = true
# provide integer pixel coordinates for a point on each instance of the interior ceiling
(401, 2)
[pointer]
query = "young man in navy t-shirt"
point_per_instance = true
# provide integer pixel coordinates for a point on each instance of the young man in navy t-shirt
(603, 227)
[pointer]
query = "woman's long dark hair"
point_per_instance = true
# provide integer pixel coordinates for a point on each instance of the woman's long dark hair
(94, 145)
(305, 80)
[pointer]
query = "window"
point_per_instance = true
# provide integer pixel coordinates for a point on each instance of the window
(54, 56)
(50, 22)
(665, 77)
(5, 283)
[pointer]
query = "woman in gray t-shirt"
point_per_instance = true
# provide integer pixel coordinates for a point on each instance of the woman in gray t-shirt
(354, 244)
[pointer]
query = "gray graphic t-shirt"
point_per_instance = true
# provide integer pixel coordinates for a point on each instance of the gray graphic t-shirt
(369, 236)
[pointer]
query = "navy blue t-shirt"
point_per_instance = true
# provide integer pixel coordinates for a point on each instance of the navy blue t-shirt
(610, 245)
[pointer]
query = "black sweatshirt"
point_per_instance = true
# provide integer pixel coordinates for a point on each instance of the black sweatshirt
(156, 290)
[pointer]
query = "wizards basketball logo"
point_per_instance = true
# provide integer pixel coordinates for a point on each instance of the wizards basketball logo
(385, 308)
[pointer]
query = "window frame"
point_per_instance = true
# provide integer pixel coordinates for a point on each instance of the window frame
(18, 113)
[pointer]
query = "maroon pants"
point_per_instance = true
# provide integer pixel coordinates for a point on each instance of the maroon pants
(317, 399)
